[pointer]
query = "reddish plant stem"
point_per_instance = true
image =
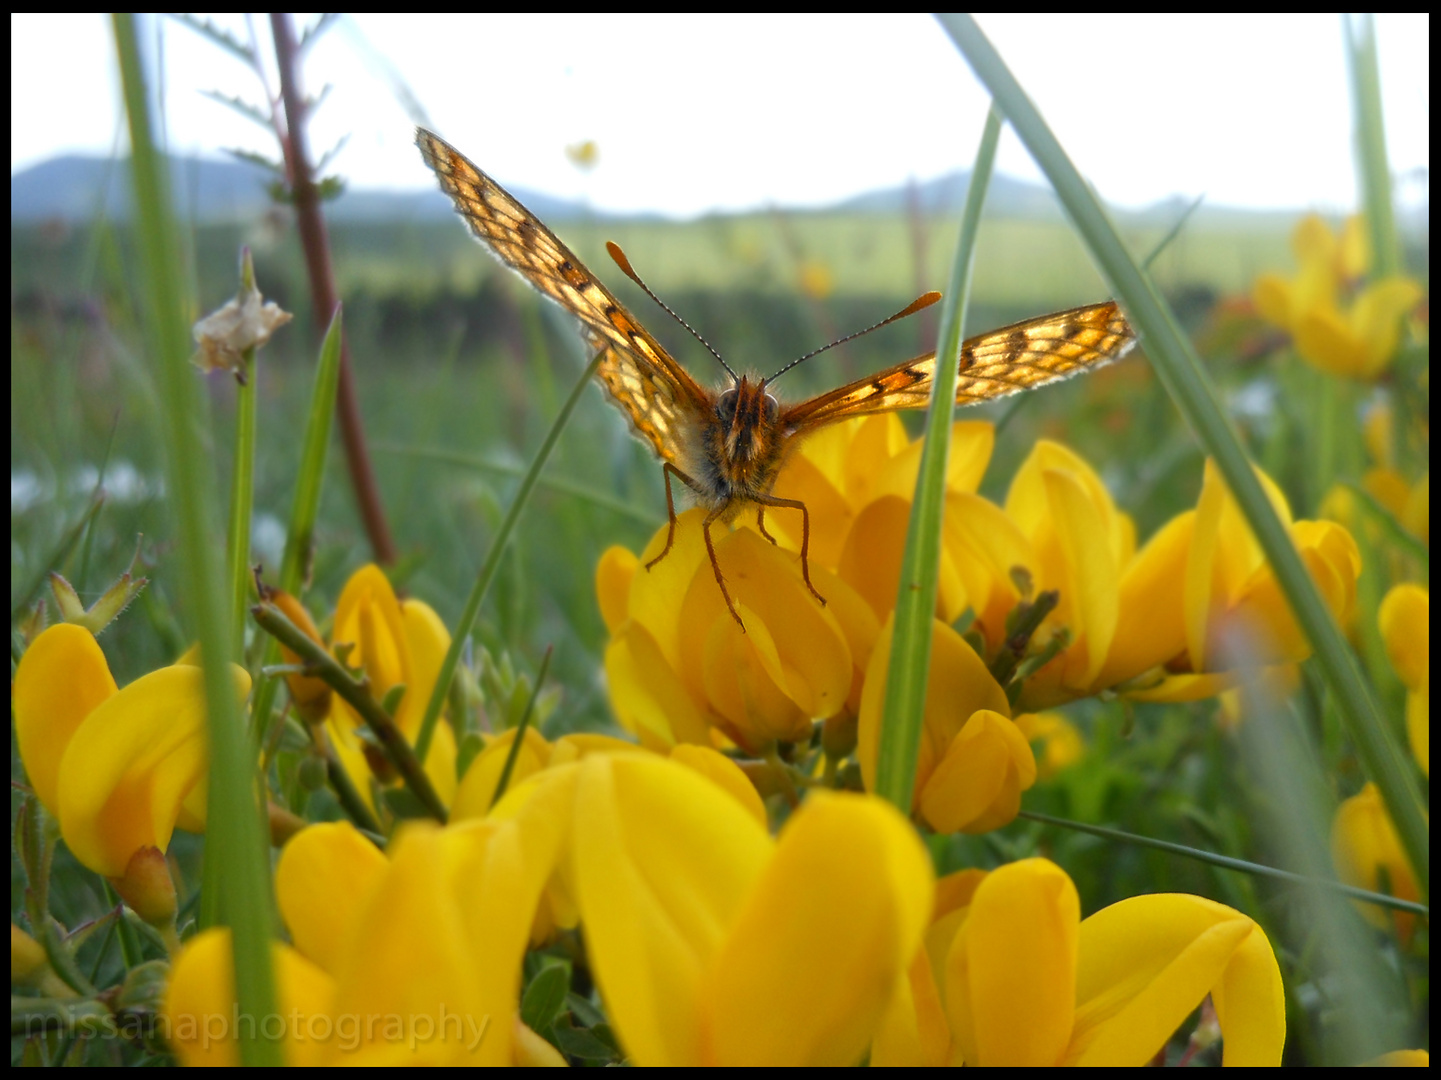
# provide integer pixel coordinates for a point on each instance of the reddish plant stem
(316, 245)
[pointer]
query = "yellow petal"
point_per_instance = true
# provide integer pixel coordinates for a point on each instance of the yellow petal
(367, 616)
(131, 764)
(1150, 625)
(1011, 972)
(716, 767)
(1364, 846)
(1418, 723)
(1093, 570)
(871, 560)
(476, 792)
(613, 576)
(61, 679)
(1405, 619)
(958, 685)
(658, 594)
(913, 1031)
(803, 979)
(977, 785)
(1417, 515)
(1376, 319)
(427, 641)
(1272, 295)
(1325, 339)
(199, 1007)
(324, 874)
(1147, 962)
(648, 697)
(663, 861)
(984, 545)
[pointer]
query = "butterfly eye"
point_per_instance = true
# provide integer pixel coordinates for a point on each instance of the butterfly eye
(772, 407)
(726, 407)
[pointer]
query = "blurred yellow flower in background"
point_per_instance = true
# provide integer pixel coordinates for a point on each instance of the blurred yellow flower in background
(1358, 340)
(1367, 853)
(1405, 619)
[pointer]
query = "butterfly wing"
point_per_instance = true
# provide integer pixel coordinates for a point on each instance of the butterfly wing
(645, 381)
(1004, 361)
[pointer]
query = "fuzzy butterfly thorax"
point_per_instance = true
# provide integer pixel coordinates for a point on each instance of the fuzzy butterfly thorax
(727, 447)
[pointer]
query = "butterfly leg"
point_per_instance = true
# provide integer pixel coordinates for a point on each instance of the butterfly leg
(720, 580)
(761, 522)
(666, 470)
(795, 504)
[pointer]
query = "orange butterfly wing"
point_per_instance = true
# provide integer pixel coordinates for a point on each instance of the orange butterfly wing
(655, 392)
(1004, 361)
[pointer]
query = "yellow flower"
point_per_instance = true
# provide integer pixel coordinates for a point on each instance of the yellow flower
(395, 643)
(1358, 342)
(118, 769)
(1061, 745)
(1405, 618)
(198, 1015)
(713, 944)
(678, 665)
(974, 762)
(1078, 543)
(1206, 566)
(857, 479)
(1364, 846)
(410, 958)
(1026, 981)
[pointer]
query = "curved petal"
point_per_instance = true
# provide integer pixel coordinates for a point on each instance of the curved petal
(131, 764)
(959, 684)
(1405, 619)
(648, 697)
(663, 862)
(1150, 625)
(801, 978)
(367, 616)
(427, 641)
(61, 679)
(323, 876)
(476, 792)
(1011, 971)
(613, 576)
(723, 771)
(1147, 962)
(977, 785)
(199, 1005)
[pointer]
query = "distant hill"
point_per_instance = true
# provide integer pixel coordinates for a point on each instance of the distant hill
(75, 187)
(1006, 197)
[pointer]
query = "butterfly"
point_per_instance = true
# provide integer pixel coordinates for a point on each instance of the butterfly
(727, 445)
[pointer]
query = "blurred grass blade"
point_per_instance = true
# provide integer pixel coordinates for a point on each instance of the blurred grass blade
(498, 543)
(510, 759)
(242, 503)
(1372, 162)
(1189, 387)
(57, 556)
(921, 562)
(233, 836)
(304, 507)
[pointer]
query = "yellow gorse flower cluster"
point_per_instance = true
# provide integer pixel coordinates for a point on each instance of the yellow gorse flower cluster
(1194, 611)
(713, 943)
(1338, 328)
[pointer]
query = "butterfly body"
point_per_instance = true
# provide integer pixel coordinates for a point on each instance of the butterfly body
(727, 446)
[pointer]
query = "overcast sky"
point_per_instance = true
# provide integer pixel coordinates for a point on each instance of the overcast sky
(695, 113)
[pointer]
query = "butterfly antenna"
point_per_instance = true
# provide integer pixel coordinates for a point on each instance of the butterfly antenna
(620, 260)
(920, 303)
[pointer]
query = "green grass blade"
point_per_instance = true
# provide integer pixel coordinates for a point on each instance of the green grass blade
(920, 565)
(305, 507)
(483, 580)
(233, 836)
(1372, 162)
(242, 504)
(1190, 388)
